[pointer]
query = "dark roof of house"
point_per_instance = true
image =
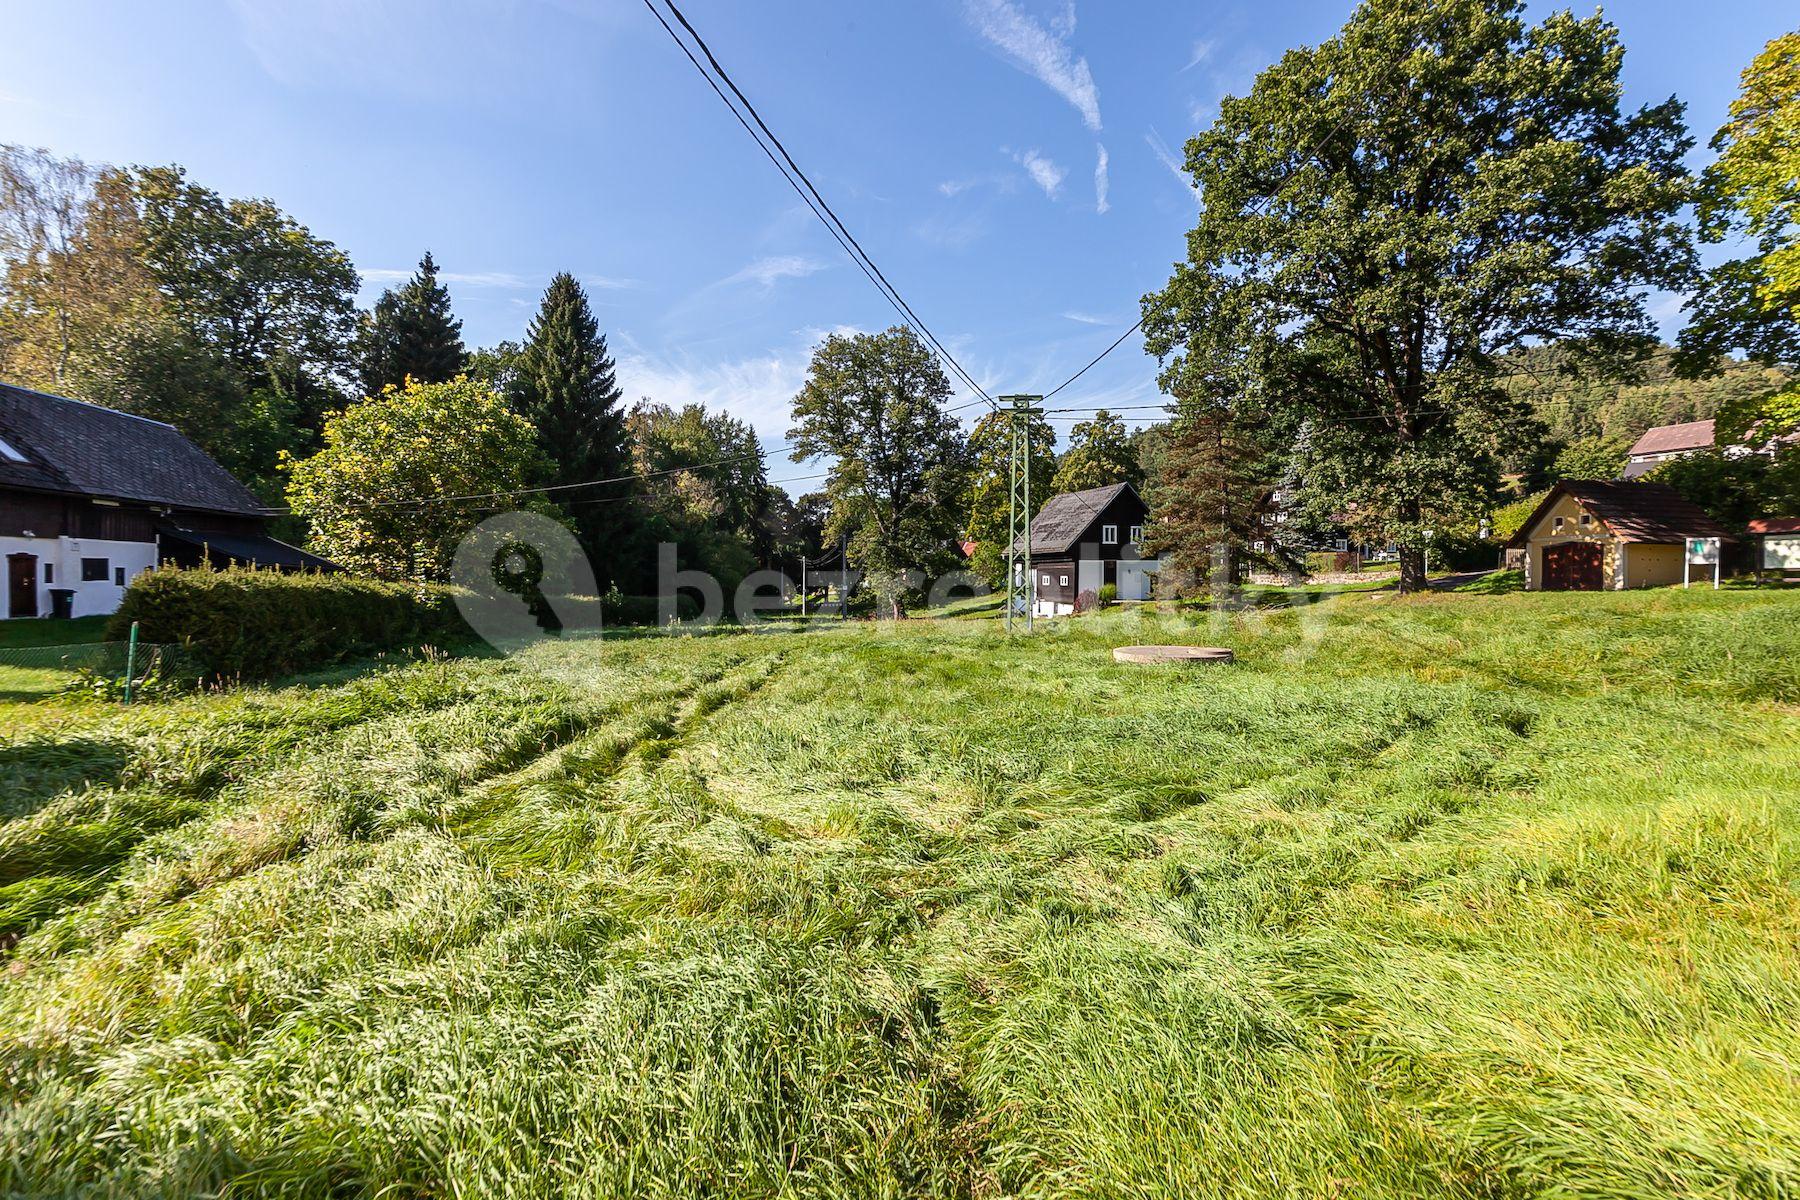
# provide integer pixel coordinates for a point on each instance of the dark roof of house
(1775, 525)
(1632, 512)
(249, 549)
(1668, 439)
(73, 446)
(1063, 519)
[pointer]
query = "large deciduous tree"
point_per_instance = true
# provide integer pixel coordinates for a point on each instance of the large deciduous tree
(564, 383)
(1386, 212)
(1753, 191)
(411, 334)
(990, 489)
(1100, 453)
(874, 403)
(704, 485)
(141, 290)
(379, 495)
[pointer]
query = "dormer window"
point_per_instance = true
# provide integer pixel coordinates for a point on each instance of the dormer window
(9, 453)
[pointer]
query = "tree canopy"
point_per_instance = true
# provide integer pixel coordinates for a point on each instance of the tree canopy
(1100, 453)
(874, 404)
(1388, 211)
(1753, 191)
(376, 494)
(411, 334)
(563, 382)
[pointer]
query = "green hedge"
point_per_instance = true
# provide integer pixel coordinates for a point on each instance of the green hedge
(244, 624)
(254, 624)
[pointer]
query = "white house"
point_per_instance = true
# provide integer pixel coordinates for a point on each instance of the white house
(90, 497)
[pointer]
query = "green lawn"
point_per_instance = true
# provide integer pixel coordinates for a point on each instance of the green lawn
(77, 632)
(1468, 895)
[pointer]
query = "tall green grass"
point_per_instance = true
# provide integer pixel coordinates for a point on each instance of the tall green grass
(1453, 895)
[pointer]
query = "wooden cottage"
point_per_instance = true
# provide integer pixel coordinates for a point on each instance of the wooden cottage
(1592, 535)
(89, 497)
(1081, 541)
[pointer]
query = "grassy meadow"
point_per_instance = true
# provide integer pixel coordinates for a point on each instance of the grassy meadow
(1457, 895)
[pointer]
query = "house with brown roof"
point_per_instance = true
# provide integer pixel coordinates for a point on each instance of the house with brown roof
(1664, 442)
(90, 497)
(1594, 535)
(1081, 541)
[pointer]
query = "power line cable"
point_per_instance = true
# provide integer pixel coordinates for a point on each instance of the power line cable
(804, 187)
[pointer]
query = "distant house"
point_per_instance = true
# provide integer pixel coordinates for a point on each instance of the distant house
(1081, 541)
(1664, 442)
(89, 497)
(1592, 535)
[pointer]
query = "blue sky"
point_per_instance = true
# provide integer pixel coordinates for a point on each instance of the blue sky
(1008, 163)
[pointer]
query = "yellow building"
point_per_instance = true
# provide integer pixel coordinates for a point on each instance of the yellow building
(1592, 535)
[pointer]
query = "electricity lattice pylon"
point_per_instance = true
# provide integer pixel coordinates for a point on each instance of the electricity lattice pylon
(1021, 594)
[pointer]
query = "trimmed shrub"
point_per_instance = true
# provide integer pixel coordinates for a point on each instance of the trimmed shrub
(1109, 593)
(617, 609)
(255, 624)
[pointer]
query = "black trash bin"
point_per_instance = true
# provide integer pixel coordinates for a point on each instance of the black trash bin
(62, 603)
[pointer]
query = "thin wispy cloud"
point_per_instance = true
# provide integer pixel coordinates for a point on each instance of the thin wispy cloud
(1201, 52)
(477, 279)
(1040, 51)
(1045, 173)
(1171, 160)
(766, 271)
(1088, 319)
(1101, 182)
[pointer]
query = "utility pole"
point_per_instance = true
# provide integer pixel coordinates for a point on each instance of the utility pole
(1021, 583)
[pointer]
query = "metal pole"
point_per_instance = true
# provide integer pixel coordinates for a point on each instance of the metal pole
(844, 577)
(1021, 579)
(130, 660)
(803, 587)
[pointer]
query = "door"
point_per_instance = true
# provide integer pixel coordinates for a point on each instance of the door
(21, 585)
(1573, 567)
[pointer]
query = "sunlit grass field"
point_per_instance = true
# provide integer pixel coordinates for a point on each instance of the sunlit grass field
(1457, 895)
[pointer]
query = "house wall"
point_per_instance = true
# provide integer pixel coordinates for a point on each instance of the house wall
(1545, 533)
(63, 556)
(1654, 566)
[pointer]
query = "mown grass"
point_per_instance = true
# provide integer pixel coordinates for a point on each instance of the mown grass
(1477, 895)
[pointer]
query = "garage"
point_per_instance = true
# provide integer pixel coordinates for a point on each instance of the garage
(1601, 535)
(1574, 567)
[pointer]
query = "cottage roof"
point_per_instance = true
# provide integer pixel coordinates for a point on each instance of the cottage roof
(1633, 512)
(1672, 439)
(1063, 519)
(72, 446)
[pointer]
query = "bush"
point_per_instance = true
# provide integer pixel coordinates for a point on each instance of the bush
(255, 624)
(1109, 593)
(1461, 550)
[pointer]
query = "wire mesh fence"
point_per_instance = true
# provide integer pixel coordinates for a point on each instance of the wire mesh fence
(108, 660)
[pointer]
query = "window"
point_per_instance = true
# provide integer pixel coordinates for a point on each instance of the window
(118, 576)
(1137, 534)
(1559, 524)
(1064, 581)
(1046, 581)
(8, 453)
(94, 570)
(1109, 535)
(49, 572)
(1587, 518)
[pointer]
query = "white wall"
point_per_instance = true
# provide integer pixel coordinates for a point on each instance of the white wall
(64, 555)
(1136, 577)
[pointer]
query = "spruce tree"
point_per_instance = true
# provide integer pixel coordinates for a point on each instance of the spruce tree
(411, 334)
(564, 384)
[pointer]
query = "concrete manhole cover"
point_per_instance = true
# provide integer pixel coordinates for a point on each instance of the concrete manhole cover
(1174, 654)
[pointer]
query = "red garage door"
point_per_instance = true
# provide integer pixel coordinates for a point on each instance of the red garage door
(1573, 567)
